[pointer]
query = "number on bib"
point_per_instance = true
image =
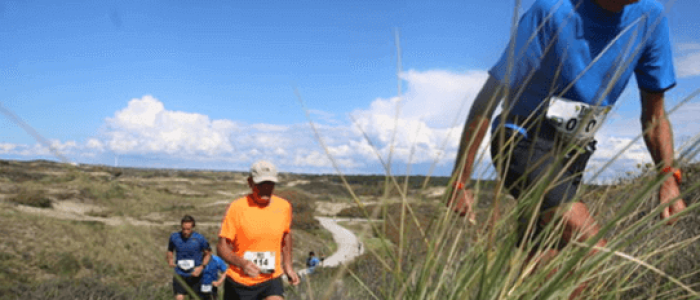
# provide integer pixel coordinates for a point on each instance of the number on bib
(567, 116)
(264, 260)
(185, 264)
(206, 288)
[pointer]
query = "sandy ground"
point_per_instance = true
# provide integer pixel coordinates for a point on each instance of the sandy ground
(70, 210)
(349, 247)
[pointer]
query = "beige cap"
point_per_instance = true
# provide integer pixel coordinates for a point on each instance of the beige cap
(263, 171)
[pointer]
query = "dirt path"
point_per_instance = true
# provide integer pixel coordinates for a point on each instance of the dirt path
(67, 210)
(349, 247)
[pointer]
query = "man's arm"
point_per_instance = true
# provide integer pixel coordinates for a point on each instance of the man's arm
(225, 251)
(658, 137)
(221, 279)
(473, 134)
(206, 258)
(287, 258)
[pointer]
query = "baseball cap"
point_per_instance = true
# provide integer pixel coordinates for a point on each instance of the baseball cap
(263, 171)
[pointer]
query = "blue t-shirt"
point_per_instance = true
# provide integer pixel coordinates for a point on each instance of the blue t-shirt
(212, 269)
(575, 49)
(311, 263)
(191, 248)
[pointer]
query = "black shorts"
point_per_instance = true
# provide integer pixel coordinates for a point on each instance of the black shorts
(213, 295)
(535, 158)
(236, 291)
(192, 283)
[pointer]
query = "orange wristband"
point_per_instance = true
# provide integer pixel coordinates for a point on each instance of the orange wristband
(458, 185)
(676, 173)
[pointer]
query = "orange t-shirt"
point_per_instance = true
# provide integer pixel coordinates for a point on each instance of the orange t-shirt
(256, 229)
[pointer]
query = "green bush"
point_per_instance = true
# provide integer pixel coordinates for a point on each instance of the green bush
(303, 207)
(33, 198)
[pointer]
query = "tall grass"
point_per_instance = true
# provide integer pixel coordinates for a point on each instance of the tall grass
(423, 252)
(451, 259)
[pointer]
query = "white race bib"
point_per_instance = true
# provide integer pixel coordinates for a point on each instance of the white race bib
(569, 116)
(264, 260)
(185, 264)
(206, 288)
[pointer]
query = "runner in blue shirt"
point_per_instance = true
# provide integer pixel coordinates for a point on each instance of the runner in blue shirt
(189, 259)
(213, 276)
(312, 262)
(564, 69)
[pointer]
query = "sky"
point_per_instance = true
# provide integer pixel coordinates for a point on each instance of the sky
(212, 85)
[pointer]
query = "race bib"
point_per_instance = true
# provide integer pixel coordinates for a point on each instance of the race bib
(185, 264)
(206, 288)
(575, 119)
(264, 260)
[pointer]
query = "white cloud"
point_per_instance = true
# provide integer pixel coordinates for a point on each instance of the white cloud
(425, 132)
(688, 60)
(432, 113)
(685, 47)
(428, 129)
(146, 127)
(7, 148)
(95, 144)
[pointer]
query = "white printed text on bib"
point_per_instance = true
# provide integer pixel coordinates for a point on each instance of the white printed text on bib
(264, 260)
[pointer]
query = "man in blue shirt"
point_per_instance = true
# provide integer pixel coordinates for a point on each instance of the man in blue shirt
(312, 262)
(213, 276)
(189, 259)
(564, 69)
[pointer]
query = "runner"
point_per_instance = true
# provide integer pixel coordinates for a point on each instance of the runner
(211, 279)
(190, 257)
(256, 240)
(571, 60)
(312, 262)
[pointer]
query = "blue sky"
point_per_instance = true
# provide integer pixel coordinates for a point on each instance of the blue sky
(210, 85)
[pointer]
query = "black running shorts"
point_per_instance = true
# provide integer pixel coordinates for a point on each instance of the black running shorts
(192, 283)
(533, 158)
(236, 291)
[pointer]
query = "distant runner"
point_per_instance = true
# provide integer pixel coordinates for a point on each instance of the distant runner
(189, 259)
(211, 279)
(256, 240)
(312, 262)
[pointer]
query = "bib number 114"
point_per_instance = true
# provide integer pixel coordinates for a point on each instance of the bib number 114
(264, 260)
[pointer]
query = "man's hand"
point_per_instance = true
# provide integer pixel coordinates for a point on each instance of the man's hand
(669, 190)
(197, 270)
(292, 276)
(461, 202)
(217, 283)
(251, 269)
(171, 264)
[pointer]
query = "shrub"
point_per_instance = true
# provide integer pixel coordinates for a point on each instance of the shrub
(303, 206)
(33, 198)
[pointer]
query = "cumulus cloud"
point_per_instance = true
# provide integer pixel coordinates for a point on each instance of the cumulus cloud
(146, 127)
(688, 59)
(431, 116)
(428, 129)
(432, 112)
(7, 148)
(94, 144)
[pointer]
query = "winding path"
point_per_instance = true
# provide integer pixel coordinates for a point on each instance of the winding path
(349, 246)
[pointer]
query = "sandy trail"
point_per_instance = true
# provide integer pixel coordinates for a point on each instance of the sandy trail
(349, 246)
